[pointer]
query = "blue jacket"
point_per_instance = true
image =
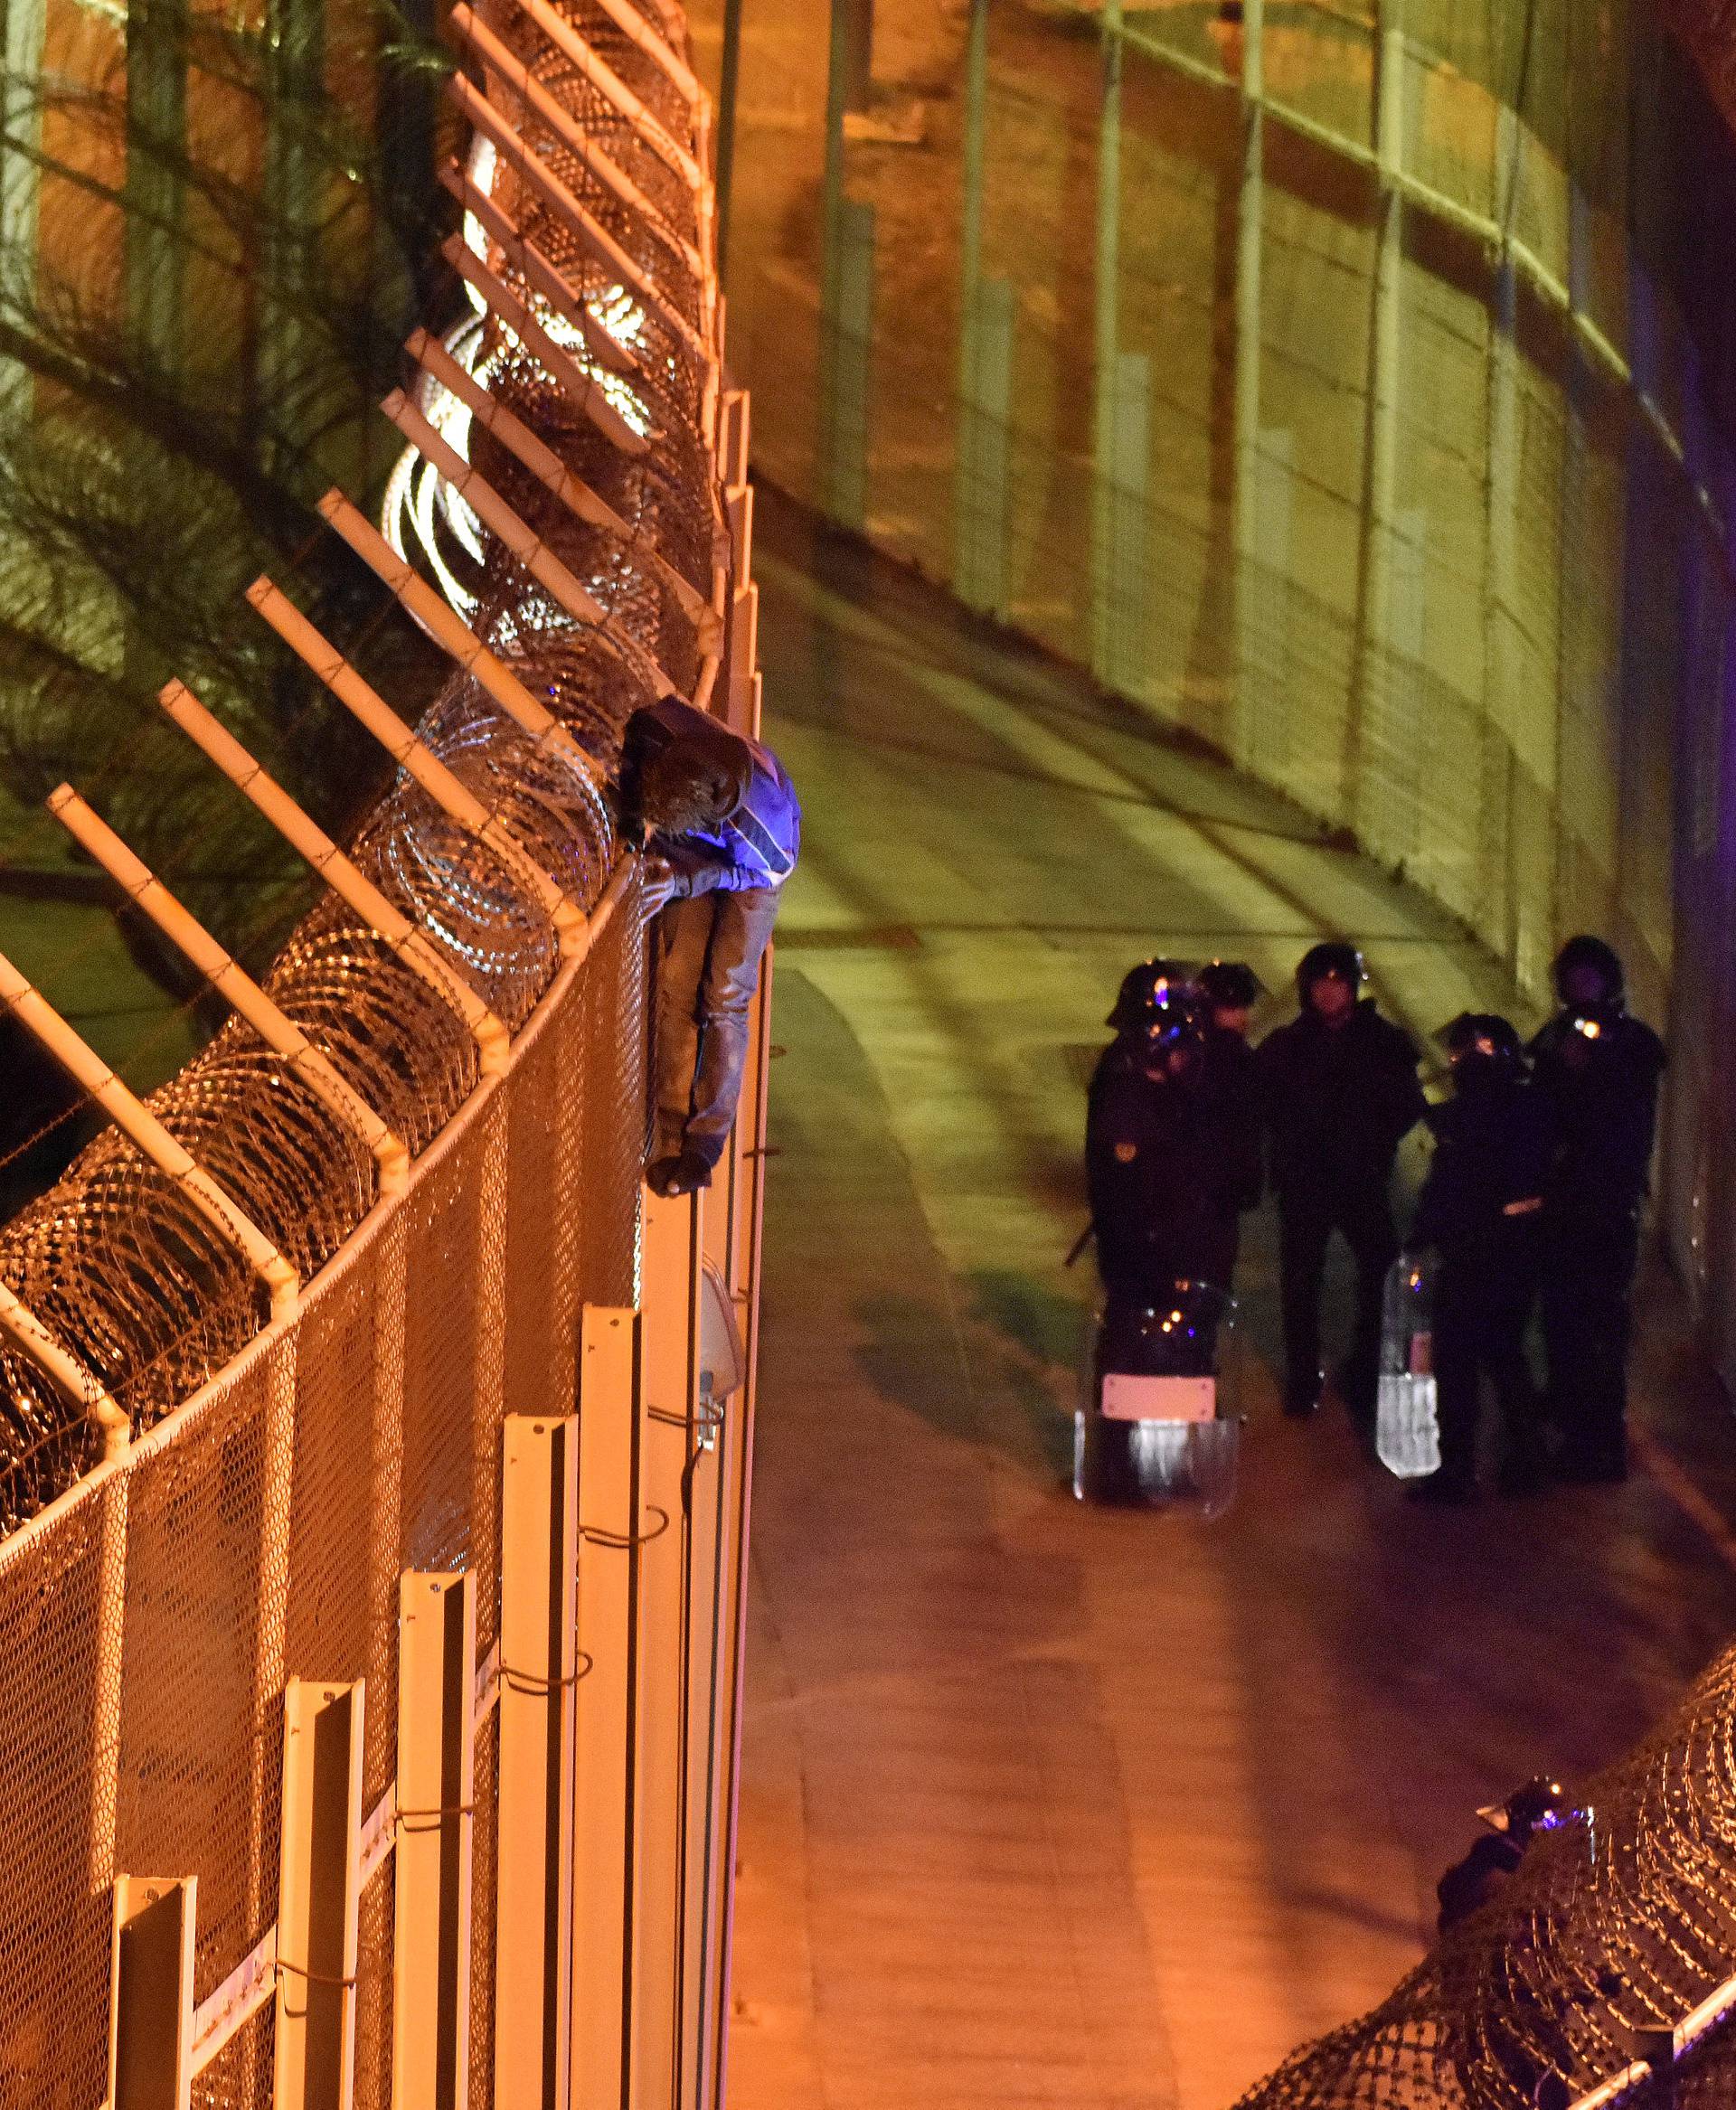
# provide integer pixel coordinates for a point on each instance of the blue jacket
(757, 842)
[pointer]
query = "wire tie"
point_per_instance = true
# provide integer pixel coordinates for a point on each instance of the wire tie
(423, 1821)
(704, 1417)
(531, 1687)
(622, 1541)
(315, 1977)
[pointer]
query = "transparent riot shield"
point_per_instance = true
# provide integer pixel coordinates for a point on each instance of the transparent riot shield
(1407, 1433)
(1156, 1427)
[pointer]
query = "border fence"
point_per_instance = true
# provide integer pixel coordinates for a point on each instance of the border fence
(376, 1448)
(1349, 384)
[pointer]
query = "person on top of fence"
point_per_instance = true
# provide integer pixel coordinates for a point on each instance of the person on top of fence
(1600, 1066)
(720, 824)
(1482, 1210)
(1339, 1093)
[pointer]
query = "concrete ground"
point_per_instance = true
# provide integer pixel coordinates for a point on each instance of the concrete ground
(1054, 1805)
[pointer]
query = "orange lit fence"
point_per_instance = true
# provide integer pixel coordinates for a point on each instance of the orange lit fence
(370, 1643)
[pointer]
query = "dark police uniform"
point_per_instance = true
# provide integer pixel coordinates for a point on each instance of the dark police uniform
(1155, 1165)
(1231, 1086)
(1603, 1089)
(1337, 1101)
(1482, 1209)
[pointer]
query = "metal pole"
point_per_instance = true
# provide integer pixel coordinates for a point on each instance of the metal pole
(1250, 237)
(667, 1386)
(970, 245)
(727, 97)
(1380, 480)
(832, 241)
(1106, 338)
(985, 330)
(1501, 699)
(412, 944)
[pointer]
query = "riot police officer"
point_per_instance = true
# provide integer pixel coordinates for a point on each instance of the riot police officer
(1161, 1205)
(1482, 1209)
(1230, 990)
(1339, 1092)
(1599, 1067)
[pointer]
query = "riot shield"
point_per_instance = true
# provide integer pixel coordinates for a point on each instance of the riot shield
(1407, 1433)
(1156, 1427)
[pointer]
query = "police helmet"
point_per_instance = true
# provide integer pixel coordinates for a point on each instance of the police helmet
(1150, 988)
(1334, 957)
(1229, 985)
(1541, 1804)
(1483, 1047)
(1590, 954)
(1177, 1027)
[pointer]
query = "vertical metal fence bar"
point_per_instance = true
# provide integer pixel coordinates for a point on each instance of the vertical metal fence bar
(1372, 688)
(982, 556)
(668, 1340)
(1250, 237)
(701, 1609)
(270, 1665)
(436, 1738)
(318, 1897)
(105, 1712)
(1105, 340)
(736, 1467)
(1500, 569)
(1124, 497)
(608, 1513)
(150, 1993)
(539, 1526)
(987, 311)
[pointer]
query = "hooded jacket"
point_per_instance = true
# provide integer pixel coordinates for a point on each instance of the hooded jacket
(757, 842)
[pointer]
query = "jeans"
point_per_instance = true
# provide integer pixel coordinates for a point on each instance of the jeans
(709, 949)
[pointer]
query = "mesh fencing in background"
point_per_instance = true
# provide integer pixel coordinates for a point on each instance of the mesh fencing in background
(1428, 531)
(1425, 550)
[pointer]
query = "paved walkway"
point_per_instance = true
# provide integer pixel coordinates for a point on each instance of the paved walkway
(1051, 1805)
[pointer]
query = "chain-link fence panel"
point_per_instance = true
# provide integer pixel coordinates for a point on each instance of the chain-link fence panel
(284, 1463)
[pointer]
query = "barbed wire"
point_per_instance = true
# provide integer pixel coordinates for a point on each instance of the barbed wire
(1622, 1921)
(113, 1259)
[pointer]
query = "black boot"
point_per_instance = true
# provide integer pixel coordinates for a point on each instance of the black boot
(1446, 1489)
